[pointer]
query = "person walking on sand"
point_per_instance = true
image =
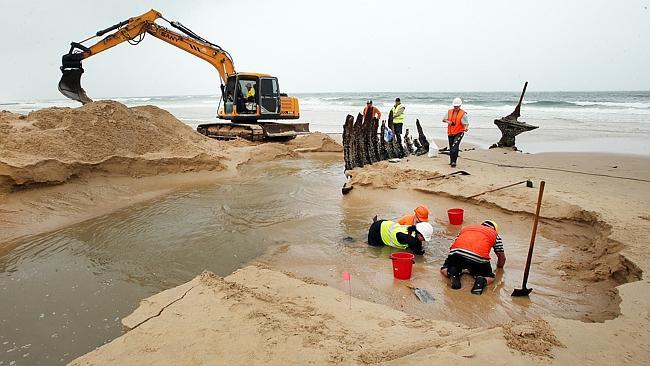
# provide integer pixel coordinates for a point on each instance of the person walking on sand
(398, 116)
(413, 237)
(457, 124)
(471, 251)
(374, 110)
(420, 214)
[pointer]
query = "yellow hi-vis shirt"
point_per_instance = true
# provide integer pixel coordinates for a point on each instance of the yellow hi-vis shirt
(398, 113)
(250, 93)
(389, 230)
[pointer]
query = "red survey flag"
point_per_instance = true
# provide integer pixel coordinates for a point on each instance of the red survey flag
(345, 276)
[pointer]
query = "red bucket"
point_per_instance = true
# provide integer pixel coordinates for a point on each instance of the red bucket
(455, 216)
(402, 265)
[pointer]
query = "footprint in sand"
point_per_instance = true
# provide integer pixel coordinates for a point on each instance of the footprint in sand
(386, 323)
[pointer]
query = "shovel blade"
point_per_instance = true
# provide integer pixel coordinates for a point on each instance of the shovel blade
(423, 295)
(70, 85)
(518, 292)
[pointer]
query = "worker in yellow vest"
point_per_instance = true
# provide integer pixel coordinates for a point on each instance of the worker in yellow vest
(387, 232)
(471, 251)
(398, 116)
(457, 124)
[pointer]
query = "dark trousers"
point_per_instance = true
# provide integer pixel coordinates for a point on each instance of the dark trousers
(374, 234)
(398, 128)
(454, 147)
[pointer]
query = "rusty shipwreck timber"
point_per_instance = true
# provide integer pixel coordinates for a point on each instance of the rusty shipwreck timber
(510, 126)
(366, 141)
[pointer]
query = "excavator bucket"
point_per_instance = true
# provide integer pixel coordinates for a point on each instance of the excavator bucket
(70, 85)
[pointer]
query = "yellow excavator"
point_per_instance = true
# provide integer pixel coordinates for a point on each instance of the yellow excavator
(247, 99)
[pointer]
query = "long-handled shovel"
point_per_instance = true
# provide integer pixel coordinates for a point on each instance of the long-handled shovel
(523, 291)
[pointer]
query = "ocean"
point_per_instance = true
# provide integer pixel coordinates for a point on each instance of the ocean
(615, 122)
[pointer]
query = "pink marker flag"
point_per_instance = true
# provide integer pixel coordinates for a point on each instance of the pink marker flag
(345, 276)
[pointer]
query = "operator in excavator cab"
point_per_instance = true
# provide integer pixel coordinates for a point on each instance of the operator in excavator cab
(248, 96)
(250, 93)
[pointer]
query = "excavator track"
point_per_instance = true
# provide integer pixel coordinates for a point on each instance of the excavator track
(260, 131)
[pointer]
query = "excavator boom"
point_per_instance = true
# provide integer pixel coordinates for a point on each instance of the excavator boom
(133, 31)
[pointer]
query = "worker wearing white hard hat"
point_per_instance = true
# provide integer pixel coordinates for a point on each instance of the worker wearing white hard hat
(457, 124)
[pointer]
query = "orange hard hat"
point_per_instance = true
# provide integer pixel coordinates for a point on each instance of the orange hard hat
(422, 213)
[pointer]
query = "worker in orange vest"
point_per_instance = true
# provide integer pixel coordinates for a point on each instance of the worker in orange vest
(374, 110)
(457, 124)
(420, 214)
(471, 251)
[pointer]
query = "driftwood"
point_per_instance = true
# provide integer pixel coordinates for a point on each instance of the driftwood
(510, 126)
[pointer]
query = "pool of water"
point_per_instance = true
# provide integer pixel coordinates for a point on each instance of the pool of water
(64, 293)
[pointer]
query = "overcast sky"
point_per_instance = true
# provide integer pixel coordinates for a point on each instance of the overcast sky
(329, 46)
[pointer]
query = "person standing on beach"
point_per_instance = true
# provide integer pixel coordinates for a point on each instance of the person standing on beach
(398, 116)
(457, 124)
(420, 214)
(374, 110)
(390, 233)
(471, 251)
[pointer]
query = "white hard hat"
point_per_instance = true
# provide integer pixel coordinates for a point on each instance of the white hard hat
(457, 102)
(425, 229)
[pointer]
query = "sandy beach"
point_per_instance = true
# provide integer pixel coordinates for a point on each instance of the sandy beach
(590, 304)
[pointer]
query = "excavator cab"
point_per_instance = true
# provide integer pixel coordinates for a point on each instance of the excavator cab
(253, 97)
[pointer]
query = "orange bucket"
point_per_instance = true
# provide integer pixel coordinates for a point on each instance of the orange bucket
(402, 265)
(455, 216)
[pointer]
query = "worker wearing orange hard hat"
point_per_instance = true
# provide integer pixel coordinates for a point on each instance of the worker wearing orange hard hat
(420, 214)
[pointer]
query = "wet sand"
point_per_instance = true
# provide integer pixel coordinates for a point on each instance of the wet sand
(592, 236)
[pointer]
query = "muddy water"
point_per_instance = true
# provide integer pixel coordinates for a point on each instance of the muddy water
(64, 293)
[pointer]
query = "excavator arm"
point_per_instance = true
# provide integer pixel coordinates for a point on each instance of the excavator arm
(133, 31)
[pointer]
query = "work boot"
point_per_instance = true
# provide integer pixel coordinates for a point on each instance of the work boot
(454, 276)
(479, 285)
(453, 165)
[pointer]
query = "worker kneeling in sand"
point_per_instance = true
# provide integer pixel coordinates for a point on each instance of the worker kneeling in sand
(471, 251)
(413, 237)
(420, 214)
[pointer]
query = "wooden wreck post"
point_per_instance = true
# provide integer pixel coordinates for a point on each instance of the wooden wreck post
(422, 139)
(369, 150)
(510, 125)
(383, 146)
(347, 146)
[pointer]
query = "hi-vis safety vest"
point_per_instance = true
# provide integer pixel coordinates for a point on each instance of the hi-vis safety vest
(478, 239)
(389, 230)
(250, 93)
(457, 119)
(400, 118)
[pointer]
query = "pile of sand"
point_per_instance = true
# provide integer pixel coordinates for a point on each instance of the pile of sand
(279, 320)
(534, 337)
(54, 144)
(315, 142)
